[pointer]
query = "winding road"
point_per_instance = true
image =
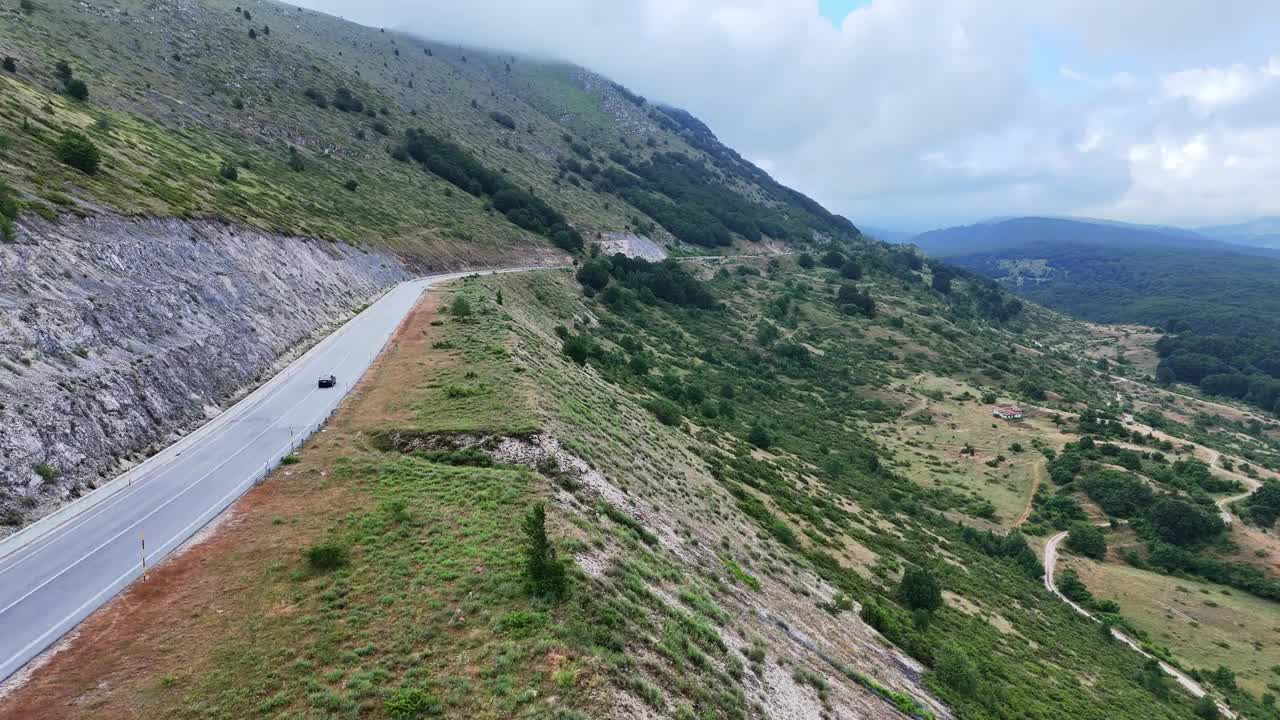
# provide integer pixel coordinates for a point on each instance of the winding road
(1191, 686)
(57, 571)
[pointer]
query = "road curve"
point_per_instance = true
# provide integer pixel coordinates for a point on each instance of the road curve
(1191, 686)
(49, 583)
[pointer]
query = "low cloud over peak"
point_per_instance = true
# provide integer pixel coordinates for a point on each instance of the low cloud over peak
(915, 113)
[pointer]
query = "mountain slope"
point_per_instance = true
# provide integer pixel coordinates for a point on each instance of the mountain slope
(307, 112)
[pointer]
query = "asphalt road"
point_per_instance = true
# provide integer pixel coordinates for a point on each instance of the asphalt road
(52, 583)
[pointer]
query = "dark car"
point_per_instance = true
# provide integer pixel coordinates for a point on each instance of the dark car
(328, 381)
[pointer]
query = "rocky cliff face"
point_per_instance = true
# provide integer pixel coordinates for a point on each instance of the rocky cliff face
(117, 333)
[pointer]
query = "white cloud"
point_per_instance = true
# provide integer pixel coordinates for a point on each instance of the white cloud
(919, 112)
(1212, 87)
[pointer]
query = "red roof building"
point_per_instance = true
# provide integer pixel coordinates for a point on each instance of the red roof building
(1008, 412)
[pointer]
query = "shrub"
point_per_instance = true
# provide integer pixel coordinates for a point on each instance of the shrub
(381, 127)
(8, 212)
(10, 65)
(851, 270)
(296, 163)
(594, 273)
(76, 89)
(1206, 708)
(62, 69)
(460, 307)
(503, 119)
(833, 259)
(1087, 540)
(544, 572)
(78, 151)
(326, 556)
(759, 437)
(346, 101)
(469, 457)
(27, 6)
(1070, 585)
(1182, 523)
(805, 260)
(228, 171)
(351, 185)
(957, 670)
(409, 703)
(667, 412)
(316, 97)
(577, 348)
(874, 616)
(920, 590)
(47, 472)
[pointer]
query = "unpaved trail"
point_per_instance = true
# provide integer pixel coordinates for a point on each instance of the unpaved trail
(919, 406)
(1191, 686)
(1036, 471)
(1212, 458)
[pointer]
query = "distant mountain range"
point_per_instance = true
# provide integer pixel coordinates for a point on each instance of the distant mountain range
(1216, 290)
(1260, 237)
(1263, 232)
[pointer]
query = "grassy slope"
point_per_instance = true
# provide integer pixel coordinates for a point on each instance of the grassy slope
(807, 500)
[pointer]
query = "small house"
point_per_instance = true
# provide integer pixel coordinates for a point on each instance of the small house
(1007, 412)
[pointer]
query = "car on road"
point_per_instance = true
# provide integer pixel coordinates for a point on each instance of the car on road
(327, 381)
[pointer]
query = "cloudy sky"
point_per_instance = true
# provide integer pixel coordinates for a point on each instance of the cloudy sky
(917, 113)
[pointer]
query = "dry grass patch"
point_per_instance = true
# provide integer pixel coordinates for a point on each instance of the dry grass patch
(1204, 624)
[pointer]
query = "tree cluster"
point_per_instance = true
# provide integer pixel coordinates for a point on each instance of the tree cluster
(454, 164)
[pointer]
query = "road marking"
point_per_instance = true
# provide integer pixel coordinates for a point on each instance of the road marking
(234, 414)
(184, 491)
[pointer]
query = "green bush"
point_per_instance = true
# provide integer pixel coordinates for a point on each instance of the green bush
(667, 412)
(326, 556)
(759, 437)
(78, 151)
(409, 703)
(346, 101)
(577, 348)
(76, 89)
(955, 669)
(1087, 540)
(8, 212)
(47, 472)
(10, 65)
(920, 590)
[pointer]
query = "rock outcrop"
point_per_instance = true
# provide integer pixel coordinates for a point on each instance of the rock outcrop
(117, 333)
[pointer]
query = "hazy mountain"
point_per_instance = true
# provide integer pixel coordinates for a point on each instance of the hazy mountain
(1262, 232)
(1007, 233)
